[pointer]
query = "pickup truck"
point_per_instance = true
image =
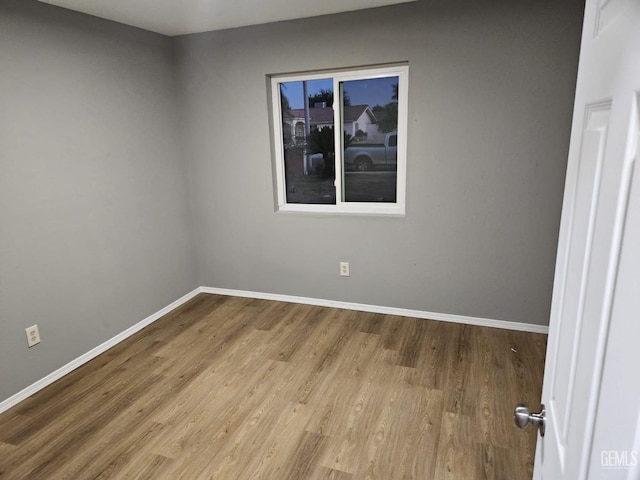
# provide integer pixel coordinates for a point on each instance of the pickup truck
(366, 156)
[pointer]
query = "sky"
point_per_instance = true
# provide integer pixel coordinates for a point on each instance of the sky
(371, 91)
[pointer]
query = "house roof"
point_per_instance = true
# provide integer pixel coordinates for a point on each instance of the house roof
(354, 112)
(325, 115)
(317, 115)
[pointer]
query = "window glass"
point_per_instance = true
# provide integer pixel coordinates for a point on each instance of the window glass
(370, 122)
(309, 153)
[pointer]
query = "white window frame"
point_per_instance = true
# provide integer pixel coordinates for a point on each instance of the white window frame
(341, 207)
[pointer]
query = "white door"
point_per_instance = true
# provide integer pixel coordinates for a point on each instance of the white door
(591, 384)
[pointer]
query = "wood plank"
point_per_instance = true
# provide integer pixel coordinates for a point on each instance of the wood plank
(230, 387)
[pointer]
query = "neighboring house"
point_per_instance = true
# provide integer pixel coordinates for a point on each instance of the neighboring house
(356, 117)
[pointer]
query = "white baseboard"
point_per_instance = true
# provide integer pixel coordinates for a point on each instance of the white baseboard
(72, 365)
(403, 312)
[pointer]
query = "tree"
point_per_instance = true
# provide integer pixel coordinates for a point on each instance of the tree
(284, 101)
(286, 107)
(323, 141)
(326, 96)
(387, 116)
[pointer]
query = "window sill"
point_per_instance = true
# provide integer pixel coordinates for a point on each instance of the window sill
(353, 209)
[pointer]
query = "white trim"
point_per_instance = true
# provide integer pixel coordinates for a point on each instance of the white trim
(403, 312)
(82, 359)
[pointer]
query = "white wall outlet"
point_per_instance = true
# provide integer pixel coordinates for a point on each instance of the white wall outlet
(344, 269)
(33, 335)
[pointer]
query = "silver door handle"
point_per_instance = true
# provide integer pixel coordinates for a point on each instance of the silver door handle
(523, 418)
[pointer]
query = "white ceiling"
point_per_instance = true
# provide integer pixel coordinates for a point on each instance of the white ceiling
(178, 17)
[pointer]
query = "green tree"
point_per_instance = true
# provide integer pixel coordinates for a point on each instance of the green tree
(323, 141)
(388, 115)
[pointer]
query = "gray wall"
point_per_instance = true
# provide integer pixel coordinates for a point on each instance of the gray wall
(490, 98)
(100, 226)
(93, 212)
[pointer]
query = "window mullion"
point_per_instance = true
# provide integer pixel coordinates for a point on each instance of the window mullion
(337, 130)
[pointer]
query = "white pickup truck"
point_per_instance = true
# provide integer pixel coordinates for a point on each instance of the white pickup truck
(366, 156)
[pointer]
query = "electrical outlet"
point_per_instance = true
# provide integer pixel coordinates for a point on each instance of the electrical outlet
(33, 335)
(344, 269)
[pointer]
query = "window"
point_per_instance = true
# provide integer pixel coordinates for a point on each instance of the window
(347, 153)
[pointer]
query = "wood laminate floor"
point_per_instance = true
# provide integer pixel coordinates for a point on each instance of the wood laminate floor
(234, 388)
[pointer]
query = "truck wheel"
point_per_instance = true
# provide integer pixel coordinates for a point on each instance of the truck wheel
(362, 164)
